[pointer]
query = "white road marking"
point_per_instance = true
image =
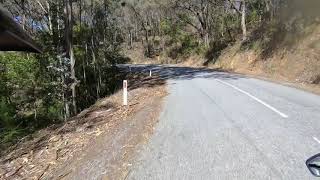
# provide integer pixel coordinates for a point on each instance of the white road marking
(316, 139)
(255, 98)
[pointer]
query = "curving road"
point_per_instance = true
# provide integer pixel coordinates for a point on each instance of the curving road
(217, 125)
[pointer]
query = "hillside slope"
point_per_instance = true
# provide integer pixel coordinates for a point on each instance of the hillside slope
(292, 58)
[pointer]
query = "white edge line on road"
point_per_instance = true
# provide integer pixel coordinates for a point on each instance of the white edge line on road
(316, 139)
(255, 98)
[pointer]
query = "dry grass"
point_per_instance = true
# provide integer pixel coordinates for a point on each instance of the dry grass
(298, 65)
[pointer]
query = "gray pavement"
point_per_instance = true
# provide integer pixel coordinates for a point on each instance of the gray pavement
(217, 125)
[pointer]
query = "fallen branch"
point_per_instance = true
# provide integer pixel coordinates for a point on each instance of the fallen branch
(44, 171)
(15, 172)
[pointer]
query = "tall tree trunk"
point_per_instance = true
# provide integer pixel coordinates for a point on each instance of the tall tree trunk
(206, 39)
(23, 18)
(130, 39)
(147, 41)
(243, 20)
(70, 53)
(95, 69)
(49, 17)
(80, 13)
(269, 9)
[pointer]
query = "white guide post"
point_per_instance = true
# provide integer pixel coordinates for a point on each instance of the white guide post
(150, 74)
(125, 92)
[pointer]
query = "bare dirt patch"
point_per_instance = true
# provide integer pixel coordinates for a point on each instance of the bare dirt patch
(106, 133)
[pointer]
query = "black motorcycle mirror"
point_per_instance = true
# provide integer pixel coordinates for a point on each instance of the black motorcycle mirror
(313, 165)
(13, 37)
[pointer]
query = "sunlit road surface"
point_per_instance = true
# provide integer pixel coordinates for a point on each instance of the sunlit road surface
(218, 125)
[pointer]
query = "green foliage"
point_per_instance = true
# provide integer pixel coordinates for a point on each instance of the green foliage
(7, 113)
(11, 136)
(20, 69)
(28, 97)
(173, 29)
(9, 127)
(166, 26)
(36, 89)
(186, 45)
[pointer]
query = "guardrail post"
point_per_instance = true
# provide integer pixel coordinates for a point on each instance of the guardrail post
(125, 92)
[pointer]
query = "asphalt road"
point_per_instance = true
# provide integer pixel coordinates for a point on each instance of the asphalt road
(217, 125)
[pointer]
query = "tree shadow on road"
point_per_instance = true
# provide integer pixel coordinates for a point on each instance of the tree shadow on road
(139, 76)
